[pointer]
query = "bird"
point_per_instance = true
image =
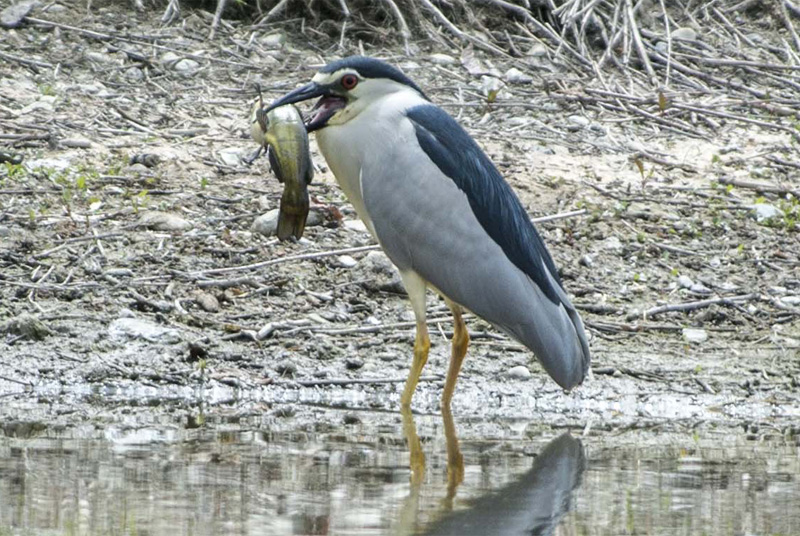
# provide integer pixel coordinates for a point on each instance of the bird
(443, 214)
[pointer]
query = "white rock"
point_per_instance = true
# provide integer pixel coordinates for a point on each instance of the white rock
(685, 33)
(231, 156)
(134, 73)
(579, 120)
(186, 66)
(355, 225)
(612, 243)
(275, 40)
(695, 335)
(791, 300)
(163, 221)
(58, 164)
(135, 328)
(684, 281)
(267, 224)
(346, 261)
(766, 211)
(537, 50)
(515, 76)
(442, 59)
(169, 58)
(519, 372)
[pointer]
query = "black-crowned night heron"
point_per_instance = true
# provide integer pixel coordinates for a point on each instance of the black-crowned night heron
(443, 214)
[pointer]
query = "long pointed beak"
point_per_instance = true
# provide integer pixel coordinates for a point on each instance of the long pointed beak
(308, 91)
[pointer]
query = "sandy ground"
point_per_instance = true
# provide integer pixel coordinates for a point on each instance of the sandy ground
(125, 293)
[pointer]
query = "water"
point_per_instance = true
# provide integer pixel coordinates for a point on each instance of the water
(235, 476)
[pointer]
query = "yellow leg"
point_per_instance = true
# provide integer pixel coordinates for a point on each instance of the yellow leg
(416, 456)
(416, 288)
(460, 344)
(455, 460)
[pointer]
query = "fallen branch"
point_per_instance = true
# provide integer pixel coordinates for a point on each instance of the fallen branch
(760, 187)
(693, 306)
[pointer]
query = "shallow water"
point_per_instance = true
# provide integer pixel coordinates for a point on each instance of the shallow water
(235, 477)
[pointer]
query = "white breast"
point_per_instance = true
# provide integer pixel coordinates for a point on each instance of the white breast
(371, 132)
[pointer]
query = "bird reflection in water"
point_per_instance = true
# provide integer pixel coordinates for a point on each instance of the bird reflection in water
(534, 504)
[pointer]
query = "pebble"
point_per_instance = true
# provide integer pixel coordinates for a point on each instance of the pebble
(12, 16)
(169, 58)
(442, 59)
(586, 260)
(351, 418)
(515, 76)
(136, 328)
(612, 243)
(537, 50)
(186, 66)
(163, 221)
(577, 122)
(346, 261)
(684, 281)
(519, 372)
(685, 33)
(231, 156)
(134, 73)
(274, 40)
(286, 368)
(695, 335)
(27, 326)
(267, 223)
(207, 302)
(353, 363)
(765, 211)
(355, 225)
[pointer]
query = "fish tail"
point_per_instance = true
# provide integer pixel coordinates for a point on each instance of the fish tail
(292, 217)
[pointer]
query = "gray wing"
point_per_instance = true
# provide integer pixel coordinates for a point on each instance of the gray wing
(427, 224)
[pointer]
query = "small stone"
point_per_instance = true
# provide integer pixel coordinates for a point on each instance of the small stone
(134, 73)
(586, 260)
(537, 50)
(267, 224)
(442, 59)
(163, 221)
(685, 33)
(207, 302)
(515, 76)
(186, 66)
(12, 16)
(353, 363)
(273, 41)
(684, 281)
(170, 58)
(519, 372)
(231, 156)
(286, 368)
(351, 419)
(346, 261)
(579, 121)
(27, 326)
(695, 335)
(135, 328)
(355, 225)
(612, 243)
(765, 211)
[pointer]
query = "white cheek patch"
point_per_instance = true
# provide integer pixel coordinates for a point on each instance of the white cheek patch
(334, 77)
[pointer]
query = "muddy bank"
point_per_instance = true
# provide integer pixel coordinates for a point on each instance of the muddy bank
(135, 280)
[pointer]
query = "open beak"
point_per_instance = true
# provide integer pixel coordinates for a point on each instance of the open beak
(325, 108)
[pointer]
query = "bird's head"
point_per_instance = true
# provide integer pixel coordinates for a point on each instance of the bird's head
(347, 87)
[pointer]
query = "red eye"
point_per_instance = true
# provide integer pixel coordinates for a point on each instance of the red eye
(349, 81)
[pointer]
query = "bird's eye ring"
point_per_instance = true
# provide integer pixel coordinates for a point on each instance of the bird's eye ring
(349, 81)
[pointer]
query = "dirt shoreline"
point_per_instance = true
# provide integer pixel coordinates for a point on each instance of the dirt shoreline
(113, 305)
